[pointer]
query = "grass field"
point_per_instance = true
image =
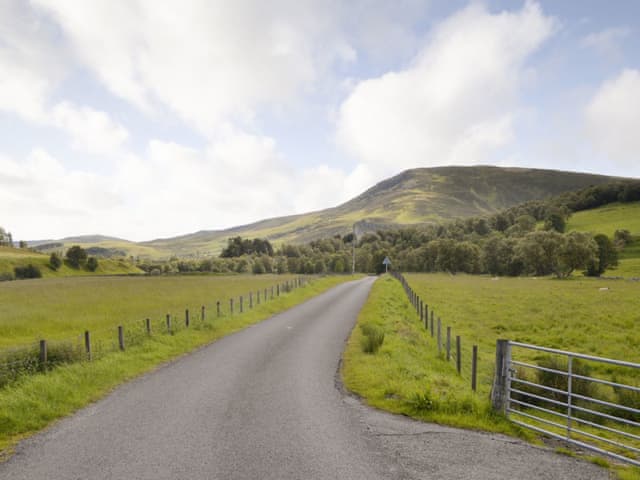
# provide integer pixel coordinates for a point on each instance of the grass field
(408, 376)
(32, 402)
(58, 308)
(15, 257)
(608, 219)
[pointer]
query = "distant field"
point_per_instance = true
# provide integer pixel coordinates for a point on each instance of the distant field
(59, 308)
(608, 219)
(15, 257)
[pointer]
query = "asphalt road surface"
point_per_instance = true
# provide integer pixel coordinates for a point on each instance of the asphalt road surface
(266, 403)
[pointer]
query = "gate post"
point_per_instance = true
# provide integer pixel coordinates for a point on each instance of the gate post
(500, 388)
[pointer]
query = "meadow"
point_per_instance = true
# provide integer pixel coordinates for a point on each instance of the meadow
(31, 402)
(60, 308)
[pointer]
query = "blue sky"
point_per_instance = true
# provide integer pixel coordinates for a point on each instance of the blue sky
(144, 119)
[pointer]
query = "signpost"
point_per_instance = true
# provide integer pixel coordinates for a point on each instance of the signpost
(386, 262)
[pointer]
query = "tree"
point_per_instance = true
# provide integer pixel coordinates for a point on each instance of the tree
(578, 250)
(555, 221)
(76, 256)
(606, 257)
(92, 264)
(22, 244)
(55, 262)
(30, 271)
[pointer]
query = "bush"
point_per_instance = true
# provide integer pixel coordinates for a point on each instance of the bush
(372, 338)
(92, 264)
(76, 255)
(55, 262)
(30, 271)
(6, 276)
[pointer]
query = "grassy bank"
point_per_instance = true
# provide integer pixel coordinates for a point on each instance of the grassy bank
(407, 375)
(33, 402)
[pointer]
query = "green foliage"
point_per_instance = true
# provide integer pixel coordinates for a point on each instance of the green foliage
(29, 271)
(237, 247)
(92, 264)
(606, 257)
(76, 256)
(55, 262)
(372, 338)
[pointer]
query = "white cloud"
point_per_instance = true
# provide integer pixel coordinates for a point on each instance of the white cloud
(91, 130)
(207, 61)
(612, 118)
(455, 103)
(607, 43)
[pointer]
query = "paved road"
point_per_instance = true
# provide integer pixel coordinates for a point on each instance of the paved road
(265, 403)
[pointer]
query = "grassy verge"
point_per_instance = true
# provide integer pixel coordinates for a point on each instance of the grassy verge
(33, 402)
(406, 375)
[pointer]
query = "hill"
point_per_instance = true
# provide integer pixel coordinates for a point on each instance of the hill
(418, 196)
(16, 257)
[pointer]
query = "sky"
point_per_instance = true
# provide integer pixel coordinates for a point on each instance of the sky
(144, 119)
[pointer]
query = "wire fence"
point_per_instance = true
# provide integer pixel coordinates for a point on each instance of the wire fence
(450, 347)
(45, 355)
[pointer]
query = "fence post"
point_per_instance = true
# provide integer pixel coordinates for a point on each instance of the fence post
(258, 296)
(432, 323)
(231, 305)
(474, 367)
(147, 324)
(426, 316)
(121, 337)
(168, 323)
(250, 300)
(439, 336)
(218, 307)
(500, 388)
(43, 354)
(186, 318)
(421, 311)
(272, 292)
(241, 303)
(278, 289)
(202, 313)
(265, 295)
(87, 344)
(448, 343)
(458, 355)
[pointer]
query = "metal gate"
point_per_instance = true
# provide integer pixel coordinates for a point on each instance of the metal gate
(585, 400)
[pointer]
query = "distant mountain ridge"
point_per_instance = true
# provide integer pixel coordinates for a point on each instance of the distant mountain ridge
(417, 196)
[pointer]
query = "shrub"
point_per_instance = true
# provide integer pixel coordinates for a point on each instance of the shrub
(55, 262)
(92, 264)
(30, 271)
(372, 338)
(76, 255)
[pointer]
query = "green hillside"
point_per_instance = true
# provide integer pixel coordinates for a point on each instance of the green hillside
(423, 195)
(608, 219)
(418, 196)
(15, 257)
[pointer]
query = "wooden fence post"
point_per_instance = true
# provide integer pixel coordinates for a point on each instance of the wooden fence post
(426, 316)
(202, 313)
(87, 344)
(258, 297)
(168, 323)
(186, 318)
(439, 336)
(272, 292)
(147, 324)
(43, 354)
(474, 367)
(421, 311)
(250, 300)
(448, 343)
(218, 307)
(265, 295)
(278, 289)
(458, 355)
(241, 303)
(432, 323)
(231, 305)
(121, 337)
(500, 388)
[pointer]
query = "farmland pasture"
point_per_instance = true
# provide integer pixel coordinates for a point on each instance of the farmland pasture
(58, 308)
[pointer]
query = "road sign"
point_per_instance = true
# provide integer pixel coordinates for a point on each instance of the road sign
(386, 262)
